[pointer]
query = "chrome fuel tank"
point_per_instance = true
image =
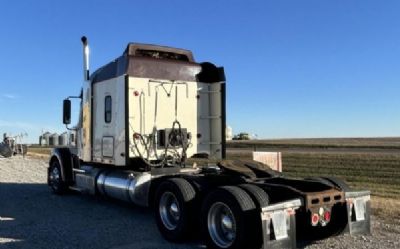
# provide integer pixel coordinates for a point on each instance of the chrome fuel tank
(124, 186)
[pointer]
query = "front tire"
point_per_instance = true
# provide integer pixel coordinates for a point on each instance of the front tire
(55, 181)
(174, 209)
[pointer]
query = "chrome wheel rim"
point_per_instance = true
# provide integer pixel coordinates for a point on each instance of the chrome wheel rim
(221, 225)
(55, 177)
(169, 209)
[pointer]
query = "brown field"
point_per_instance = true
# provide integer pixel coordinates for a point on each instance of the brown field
(378, 143)
(364, 163)
(378, 172)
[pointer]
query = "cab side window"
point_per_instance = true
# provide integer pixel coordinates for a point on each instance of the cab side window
(107, 109)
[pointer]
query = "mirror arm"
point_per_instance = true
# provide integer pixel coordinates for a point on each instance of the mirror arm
(71, 129)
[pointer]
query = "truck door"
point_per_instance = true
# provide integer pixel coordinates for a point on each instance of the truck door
(108, 121)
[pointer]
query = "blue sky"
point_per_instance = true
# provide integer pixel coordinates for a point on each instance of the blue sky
(311, 68)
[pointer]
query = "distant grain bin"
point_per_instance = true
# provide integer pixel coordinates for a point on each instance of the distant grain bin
(53, 140)
(63, 139)
(228, 133)
(44, 139)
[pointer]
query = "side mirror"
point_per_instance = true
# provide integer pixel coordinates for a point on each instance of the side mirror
(67, 111)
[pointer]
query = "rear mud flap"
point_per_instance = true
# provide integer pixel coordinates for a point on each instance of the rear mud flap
(279, 224)
(358, 212)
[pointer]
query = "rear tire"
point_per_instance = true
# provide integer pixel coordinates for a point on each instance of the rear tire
(174, 209)
(339, 212)
(320, 180)
(259, 196)
(338, 183)
(228, 219)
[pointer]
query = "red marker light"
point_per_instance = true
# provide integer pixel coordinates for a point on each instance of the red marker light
(314, 219)
(327, 216)
(136, 136)
(136, 93)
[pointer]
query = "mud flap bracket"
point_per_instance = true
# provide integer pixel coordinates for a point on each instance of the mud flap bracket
(279, 224)
(358, 212)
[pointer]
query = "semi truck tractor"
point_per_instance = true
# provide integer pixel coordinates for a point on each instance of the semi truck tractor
(151, 131)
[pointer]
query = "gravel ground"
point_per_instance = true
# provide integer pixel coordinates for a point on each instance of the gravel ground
(32, 217)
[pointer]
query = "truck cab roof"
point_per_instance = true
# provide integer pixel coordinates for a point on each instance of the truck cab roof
(158, 52)
(150, 61)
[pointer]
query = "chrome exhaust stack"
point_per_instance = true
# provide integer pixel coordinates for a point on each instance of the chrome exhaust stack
(85, 58)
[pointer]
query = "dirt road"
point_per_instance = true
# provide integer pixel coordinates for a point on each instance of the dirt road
(32, 217)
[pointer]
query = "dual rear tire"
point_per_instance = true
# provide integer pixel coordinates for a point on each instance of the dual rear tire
(174, 209)
(229, 215)
(230, 219)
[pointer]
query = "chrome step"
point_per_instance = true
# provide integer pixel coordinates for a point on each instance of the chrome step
(79, 171)
(76, 189)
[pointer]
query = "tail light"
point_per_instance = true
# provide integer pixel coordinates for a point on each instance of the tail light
(323, 217)
(327, 216)
(314, 219)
